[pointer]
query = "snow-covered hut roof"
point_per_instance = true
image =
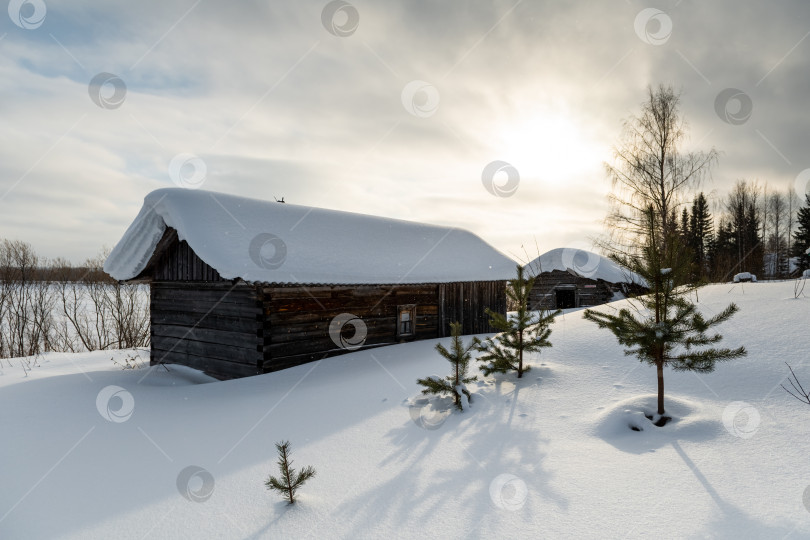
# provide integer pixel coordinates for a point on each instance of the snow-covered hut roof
(585, 264)
(262, 241)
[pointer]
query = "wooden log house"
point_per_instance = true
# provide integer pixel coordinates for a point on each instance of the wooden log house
(574, 278)
(241, 287)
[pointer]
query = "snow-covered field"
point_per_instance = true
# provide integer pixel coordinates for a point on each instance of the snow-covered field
(549, 456)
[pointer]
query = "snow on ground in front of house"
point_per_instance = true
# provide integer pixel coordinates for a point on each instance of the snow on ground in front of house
(551, 455)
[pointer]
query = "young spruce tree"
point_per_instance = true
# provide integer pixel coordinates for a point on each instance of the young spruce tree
(802, 235)
(290, 480)
(459, 357)
(525, 332)
(668, 330)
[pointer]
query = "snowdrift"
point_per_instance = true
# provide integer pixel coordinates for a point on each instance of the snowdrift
(168, 454)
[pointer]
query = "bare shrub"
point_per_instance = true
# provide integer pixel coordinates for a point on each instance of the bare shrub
(101, 313)
(58, 307)
(25, 303)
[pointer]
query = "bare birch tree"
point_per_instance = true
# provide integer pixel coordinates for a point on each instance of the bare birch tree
(651, 169)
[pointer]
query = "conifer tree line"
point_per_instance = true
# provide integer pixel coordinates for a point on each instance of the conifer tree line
(752, 230)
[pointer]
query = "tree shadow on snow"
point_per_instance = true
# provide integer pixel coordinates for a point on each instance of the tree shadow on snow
(732, 521)
(492, 469)
(61, 421)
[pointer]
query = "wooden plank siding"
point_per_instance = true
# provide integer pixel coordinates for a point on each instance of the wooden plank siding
(297, 318)
(588, 292)
(174, 260)
(465, 302)
(212, 326)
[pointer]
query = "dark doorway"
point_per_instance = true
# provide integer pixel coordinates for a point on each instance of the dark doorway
(566, 298)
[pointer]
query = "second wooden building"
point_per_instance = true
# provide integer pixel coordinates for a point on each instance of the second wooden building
(568, 278)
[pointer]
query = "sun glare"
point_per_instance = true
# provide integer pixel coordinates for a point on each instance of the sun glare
(552, 146)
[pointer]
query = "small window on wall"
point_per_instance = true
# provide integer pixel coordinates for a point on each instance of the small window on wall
(406, 320)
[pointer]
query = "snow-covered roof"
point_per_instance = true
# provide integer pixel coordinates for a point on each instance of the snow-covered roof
(269, 242)
(585, 264)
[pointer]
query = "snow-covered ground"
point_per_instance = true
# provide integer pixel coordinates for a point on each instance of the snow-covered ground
(550, 456)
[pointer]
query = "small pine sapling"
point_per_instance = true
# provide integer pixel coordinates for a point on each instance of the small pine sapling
(290, 480)
(666, 329)
(455, 383)
(527, 331)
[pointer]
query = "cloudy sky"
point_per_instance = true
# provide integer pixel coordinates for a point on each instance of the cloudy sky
(392, 108)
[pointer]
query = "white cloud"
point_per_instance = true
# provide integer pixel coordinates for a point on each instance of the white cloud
(277, 106)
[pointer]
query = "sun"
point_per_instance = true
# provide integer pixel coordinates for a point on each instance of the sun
(552, 145)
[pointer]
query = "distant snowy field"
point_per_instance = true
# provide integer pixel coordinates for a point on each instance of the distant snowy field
(548, 456)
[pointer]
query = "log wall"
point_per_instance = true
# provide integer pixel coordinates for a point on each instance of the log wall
(297, 319)
(588, 292)
(215, 327)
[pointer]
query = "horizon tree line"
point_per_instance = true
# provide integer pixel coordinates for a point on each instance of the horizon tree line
(761, 232)
(52, 305)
